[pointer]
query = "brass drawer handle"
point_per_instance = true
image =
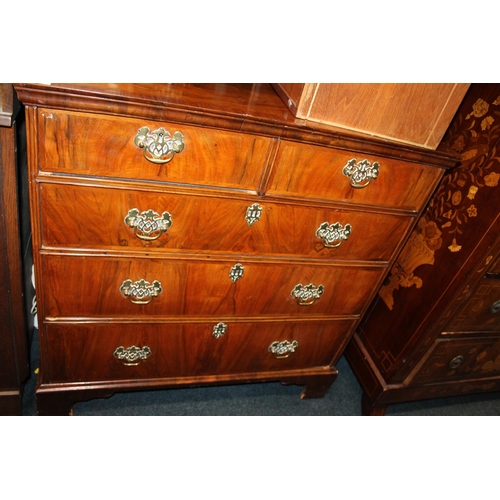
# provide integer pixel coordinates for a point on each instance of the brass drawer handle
(283, 349)
(362, 173)
(148, 225)
(132, 356)
(236, 272)
(219, 330)
(495, 307)
(456, 362)
(253, 213)
(141, 292)
(332, 235)
(307, 295)
(159, 146)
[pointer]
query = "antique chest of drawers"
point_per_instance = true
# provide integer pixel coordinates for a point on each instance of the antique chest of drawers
(198, 234)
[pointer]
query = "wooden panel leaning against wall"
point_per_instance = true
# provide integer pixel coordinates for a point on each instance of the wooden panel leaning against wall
(14, 246)
(410, 113)
(430, 332)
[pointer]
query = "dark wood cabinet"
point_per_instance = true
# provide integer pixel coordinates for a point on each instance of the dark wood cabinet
(200, 234)
(14, 245)
(434, 328)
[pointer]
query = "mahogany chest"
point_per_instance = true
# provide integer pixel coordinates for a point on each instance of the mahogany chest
(198, 234)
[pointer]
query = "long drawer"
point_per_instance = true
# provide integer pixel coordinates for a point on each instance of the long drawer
(316, 172)
(84, 353)
(98, 217)
(97, 145)
(84, 286)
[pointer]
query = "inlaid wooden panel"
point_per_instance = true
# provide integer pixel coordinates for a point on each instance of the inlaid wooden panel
(316, 172)
(84, 353)
(94, 217)
(98, 145)
(461, 359)
(83, 286)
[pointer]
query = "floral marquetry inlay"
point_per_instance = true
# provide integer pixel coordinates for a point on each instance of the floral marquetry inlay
(474, 134)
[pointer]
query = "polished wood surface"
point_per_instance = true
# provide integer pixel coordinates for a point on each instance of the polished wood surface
(433, 329)
(86, 174)
(412, 113)
(316, 173)
(106, 148)
(88, 286)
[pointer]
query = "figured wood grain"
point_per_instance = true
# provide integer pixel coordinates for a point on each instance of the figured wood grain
(79, 217)
(97, 145)
(180, 350)
(90, 287)
(316, 173)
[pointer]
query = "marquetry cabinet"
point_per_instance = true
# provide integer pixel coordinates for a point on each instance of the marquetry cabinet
(200, 234)
(434, 328)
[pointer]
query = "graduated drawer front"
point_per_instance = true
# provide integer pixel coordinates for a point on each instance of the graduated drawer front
(84, 353)
(90, 287)
(316, 172)
(94, 217)
(97, 145)
(457, 359)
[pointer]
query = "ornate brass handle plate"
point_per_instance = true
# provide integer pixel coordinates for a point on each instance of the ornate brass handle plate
(140, 292)
(159, 146)
(362, 173)
(283, 349)
(132, 356)
(219, 330)
(307, 295)
(148, 225)
(332, 235)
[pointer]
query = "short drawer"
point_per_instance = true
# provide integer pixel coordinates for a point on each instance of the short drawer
(317, 172)
(84, 353)
(97, 145)
(84, 286)
(461, 359)
(96, 217)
